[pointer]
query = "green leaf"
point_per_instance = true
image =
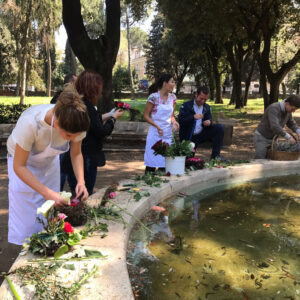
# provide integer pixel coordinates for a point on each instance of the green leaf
(60, 251)
(93, 253)
(69, 267)
(137, 197)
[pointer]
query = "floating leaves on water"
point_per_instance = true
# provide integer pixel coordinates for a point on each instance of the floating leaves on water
(284, 262)
(263, 265)
(265, 276)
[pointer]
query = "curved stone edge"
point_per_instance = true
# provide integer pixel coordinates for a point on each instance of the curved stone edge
(114, 283)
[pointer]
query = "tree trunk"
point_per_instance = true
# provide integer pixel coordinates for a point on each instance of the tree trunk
(24, 47)
(23, 80)
(233, 96)
(236, 62)
(217, 76)
(100, 54)
(129, 56)
(274, 78)
(283, 90)
(248, 81)
(49, 68)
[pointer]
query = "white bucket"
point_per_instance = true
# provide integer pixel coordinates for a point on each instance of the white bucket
(175, 165)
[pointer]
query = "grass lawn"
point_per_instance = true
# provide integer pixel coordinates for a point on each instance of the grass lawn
(254, 105)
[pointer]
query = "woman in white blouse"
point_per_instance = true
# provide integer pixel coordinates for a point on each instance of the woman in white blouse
(41, 134)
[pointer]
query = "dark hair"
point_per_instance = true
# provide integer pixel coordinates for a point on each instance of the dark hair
(163, 78)
(89, 84)
(70, 111)
(202, 89)
(293, 100)
(69, 78)
(152, 89)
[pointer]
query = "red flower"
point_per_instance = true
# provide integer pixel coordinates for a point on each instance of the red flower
(120, 104)
(157, 144)
(68, 228)
(168, 174)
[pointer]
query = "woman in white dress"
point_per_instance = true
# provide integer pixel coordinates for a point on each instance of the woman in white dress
(159, 113)
(41, 134)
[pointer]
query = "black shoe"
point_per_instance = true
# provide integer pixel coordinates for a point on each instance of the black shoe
(220, 158)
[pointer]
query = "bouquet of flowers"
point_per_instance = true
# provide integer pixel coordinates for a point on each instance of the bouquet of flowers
(122, 105)
(194, 163)
(183, 148)
(57, 236)
(76, 210)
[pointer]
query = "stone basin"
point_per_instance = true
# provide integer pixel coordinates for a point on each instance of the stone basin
(113, 282)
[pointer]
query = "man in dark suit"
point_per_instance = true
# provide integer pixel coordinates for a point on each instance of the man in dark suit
(196, 125)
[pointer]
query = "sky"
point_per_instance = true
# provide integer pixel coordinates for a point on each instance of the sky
(61, 35)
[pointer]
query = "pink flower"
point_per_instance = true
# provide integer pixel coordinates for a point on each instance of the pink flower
(158, 208)
(196, 159)
(62, 216)
(74, 202)
(220, 167)
(112, 195)
(68, 228)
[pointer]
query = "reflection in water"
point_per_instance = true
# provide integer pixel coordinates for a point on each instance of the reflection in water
(240, 243)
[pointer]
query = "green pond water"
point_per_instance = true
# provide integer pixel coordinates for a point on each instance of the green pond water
(239, 243)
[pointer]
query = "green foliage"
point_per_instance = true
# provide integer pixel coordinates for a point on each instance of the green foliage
(217, 163)
(151, 179)
(11, 113)
(183, 148)
(46, 284)
(121, 80)
(7, 49)
(154, 51)
(93, 15)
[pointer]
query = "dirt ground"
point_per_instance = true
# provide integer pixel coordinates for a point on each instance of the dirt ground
(121, 166)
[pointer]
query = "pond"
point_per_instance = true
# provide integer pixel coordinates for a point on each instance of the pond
(239, 243)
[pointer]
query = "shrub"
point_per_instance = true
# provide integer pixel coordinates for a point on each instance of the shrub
(11, 113)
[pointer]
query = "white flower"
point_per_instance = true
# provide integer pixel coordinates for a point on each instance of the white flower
(66, 196)
(192, 145)
(45, 208)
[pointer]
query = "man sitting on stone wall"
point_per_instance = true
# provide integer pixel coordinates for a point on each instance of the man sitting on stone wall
(195, 121)
(276, 116)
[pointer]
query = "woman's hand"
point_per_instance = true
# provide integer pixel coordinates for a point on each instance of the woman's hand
(59, 201)
(118, 113)
(81, 191)
(175, 126)
(160, 131)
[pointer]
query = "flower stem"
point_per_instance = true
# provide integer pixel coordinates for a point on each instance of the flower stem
(12, 288)
(128, 213)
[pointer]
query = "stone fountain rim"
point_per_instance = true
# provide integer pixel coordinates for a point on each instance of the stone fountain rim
(114, 282)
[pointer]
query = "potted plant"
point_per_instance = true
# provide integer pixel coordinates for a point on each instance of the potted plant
(174, 154)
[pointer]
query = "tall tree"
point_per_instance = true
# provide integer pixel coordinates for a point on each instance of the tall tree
(263, 20)
(96, 54)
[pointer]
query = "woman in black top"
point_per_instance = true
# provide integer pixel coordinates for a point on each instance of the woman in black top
(89, 84)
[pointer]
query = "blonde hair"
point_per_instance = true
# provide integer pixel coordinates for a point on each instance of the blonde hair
(70, 111)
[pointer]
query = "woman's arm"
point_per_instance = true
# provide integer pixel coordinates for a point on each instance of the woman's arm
(147, 118)
(77, 163)
(20, 168)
